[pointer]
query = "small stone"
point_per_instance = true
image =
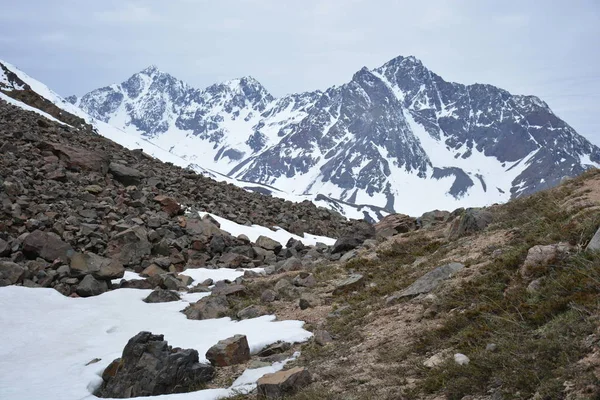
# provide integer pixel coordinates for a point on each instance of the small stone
(461, 359)
(491, 347)
(322, 337)
(434, 361)
(268, 296)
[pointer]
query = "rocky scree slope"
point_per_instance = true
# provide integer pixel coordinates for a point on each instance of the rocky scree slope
(77, 209)
(16, 87)
(364, 142)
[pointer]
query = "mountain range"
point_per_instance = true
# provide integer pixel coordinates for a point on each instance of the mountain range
(398, 138)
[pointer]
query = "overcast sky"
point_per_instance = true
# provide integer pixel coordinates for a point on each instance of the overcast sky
(544, 47)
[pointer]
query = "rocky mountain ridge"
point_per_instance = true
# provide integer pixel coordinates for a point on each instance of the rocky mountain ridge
(391, 128)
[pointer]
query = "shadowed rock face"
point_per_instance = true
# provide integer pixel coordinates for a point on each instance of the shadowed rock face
(150, 367)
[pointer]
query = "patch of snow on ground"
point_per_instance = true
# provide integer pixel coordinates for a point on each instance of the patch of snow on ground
(280, 235)
(201, 274)
(128, 276)
(48, 339)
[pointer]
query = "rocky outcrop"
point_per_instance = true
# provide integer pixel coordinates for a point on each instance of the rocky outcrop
(150, 367)
(394, 224)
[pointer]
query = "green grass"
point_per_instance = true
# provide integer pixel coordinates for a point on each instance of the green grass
(540, 334)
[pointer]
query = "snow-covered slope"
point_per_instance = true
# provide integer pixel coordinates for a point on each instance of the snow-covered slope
(397, 137)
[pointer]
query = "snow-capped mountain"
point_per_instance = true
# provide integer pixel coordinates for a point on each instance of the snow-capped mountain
(18, 88)
(398, 136)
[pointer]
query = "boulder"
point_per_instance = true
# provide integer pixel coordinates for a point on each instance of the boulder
(431, 280)
(249, 312)
(322, 337)
(229, 290)
(11, 273)
(305, 279)
(538, 258)
(89, 286)
(282, 383)
(472, 220)
(291, 264)
(268, 244)
(99, 267)
(230, 351)
(126, 175)
(150, 367)
(169, 205)
(77, 158)
(4, 248)
(268, 296)
(394, 224)
(432, 218)
(234, 260)
(275, 348)
(350, 284)
(353, 237)
(153, 270)
(162, 296)
(48, 246)
(130, 246)
(208, 308)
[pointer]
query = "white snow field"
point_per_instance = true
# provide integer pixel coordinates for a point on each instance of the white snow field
(47, 340)
(279, 235)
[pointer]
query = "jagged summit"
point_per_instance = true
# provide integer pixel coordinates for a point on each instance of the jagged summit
(398, 136)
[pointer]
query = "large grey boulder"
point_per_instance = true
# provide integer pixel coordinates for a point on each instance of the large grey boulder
(268, 244)
(472, 220)
(431, 280)
(130, 246)
(126, 175)
(48, 246)
(99, 267)
(90, 286)
(208, 308)
(150, 367)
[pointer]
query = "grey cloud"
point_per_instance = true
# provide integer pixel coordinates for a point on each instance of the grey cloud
(550, 51)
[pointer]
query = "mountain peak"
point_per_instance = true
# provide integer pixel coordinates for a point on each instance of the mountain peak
(150, 70)
(409, 61)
